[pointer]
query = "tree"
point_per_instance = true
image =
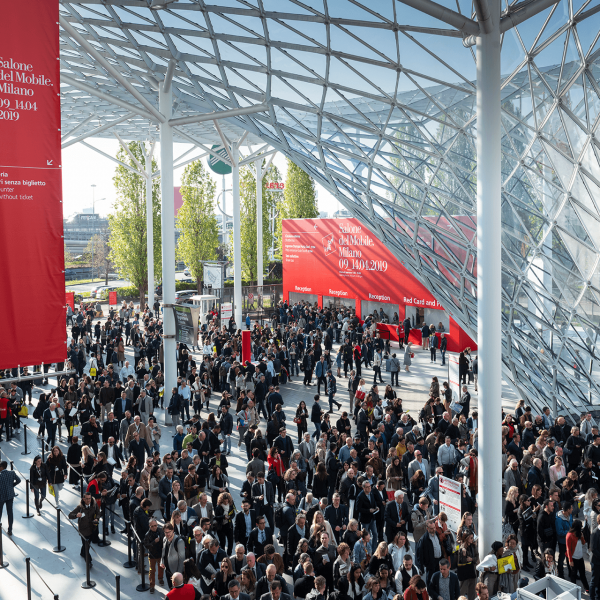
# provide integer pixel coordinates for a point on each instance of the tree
(127, 224)
(68, 256)
(299, 198)
(271, 202)
(102, 264)
(197, 221)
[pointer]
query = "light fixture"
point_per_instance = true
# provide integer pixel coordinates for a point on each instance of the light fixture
(160, 4)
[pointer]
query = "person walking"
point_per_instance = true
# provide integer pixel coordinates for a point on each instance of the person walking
(8, 481)
(87, 515)
(38, 479)
(408, 357)
(394, 369)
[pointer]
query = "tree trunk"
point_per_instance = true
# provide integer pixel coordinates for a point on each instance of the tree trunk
(106, 280)
(199, 285)
(142, 298)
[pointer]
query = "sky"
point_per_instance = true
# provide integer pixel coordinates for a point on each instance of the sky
(82, 168)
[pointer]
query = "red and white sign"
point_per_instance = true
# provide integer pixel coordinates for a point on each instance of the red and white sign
(250, 296)
(112, 298)
(450, 501)
(226, 311)
(342, 258)
(275, 185)
(70, 297)
(32, 301)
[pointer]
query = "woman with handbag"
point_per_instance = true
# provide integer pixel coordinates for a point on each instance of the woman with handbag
(467, 561)
(408, 356)
(276, 464)
(56, 467)
(38, 479)
(301, 420)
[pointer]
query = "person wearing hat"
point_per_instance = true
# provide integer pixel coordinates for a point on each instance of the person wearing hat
(488, 568)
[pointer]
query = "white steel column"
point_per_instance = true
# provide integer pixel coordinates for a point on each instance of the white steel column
(149, 230)
(489, 332)
(168, 238)
(259, 222)
(237, 239)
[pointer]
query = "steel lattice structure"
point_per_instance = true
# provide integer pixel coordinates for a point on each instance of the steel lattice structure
(377, 101)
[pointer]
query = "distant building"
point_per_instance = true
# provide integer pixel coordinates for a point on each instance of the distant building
(79, 229)
(342, 214)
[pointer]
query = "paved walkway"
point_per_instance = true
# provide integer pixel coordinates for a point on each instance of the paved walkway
(63, 573)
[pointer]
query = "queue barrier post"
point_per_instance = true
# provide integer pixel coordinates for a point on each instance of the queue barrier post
(104, 542)
(130, 563)
(81, 485)
(88, 583)
(58, 547)
(28, 567)
(3, 564)
(25, 440)
(118, 587)
(26, 515)
(143, 586)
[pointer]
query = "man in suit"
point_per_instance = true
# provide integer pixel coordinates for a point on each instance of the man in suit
(258, 569)
(113, 452)
(110, 428)
(428, 554)
(122, 405)
(139, 448)
(257, 464)
(333, 466)
(436, 582)
(210, 563)
(244, 523)
(260, 537)
(196, 546)
(263, 497)
(234, 592)
(264, 584)
(396, 516)
(288, 520)
(295, 533)
(90, 434)
(204, 508)
(50, 421)
(138, 427)
(337, 515)
(367, 503)
(419, 463)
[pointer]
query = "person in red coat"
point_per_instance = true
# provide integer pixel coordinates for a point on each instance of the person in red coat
(182, 591)
(576, 550)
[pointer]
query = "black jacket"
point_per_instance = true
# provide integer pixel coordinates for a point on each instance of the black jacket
(257, 491)
(154, 548)
(240, 526)
(293, 537)
(391, 518)
(110, 429)
(363, 506)
(254, 545)
(433, 589)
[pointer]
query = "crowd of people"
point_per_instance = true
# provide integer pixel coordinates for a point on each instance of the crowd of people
(336, 504)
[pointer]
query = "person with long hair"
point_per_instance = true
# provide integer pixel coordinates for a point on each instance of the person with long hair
(57, 471)
(217, 483)
(318, 521)
(510, 508)
(224, 516)
(320, 485)
(416, 590)
(576, 546)
(374, 589)
(301, 420)
(381, 556)
(356, 582)
(224, 576)
(467, 561)
(248, 583)
(398, 548)
(276, 464)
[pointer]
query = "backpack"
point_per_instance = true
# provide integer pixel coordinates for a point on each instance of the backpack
(279, 516)
(222, 371)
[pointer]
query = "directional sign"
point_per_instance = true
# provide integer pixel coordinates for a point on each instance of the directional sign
(216, 165)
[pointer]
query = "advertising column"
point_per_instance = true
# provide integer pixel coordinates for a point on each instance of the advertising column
(32, 302)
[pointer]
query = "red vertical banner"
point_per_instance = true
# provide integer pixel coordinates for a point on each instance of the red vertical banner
(31, 229)
(70, 299)
(246, 345)
(112, 298)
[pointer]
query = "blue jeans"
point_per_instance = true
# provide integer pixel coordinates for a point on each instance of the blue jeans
(155, 446)
(443, 353)
(227, 444)
(317, 433)
(39, 495)
(185, 406)
(294, 365)
(372, 527)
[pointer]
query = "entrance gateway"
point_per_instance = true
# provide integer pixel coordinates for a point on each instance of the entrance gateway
(339, 263)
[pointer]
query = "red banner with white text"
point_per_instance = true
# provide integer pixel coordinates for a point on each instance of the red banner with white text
(112, 298)
(32, 297)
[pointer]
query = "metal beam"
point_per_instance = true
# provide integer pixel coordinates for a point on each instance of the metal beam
(169, 75)
(190, 139)
(96, 131)
(129, 167)
(516, 17)
(129, 152)
(190, 160)
(109, 68)
(77, 127)
(483, 15)
(227, 146)
(220, 114)
(451, 17)
(250, 160)
(84, 87)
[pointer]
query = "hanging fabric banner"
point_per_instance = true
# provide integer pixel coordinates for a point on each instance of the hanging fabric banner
(70, 296)
(112, 298)
(32, 302)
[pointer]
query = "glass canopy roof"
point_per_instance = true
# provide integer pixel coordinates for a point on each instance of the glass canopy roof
(376, 100)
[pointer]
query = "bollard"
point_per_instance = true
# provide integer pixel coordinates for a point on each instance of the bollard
(81, 486)
(143, 587)
(43, 452)
(104, 542)
(25, 437)
(12, 465)
(88, 583)
(130, 563)
(58, 547)
(3, 564)
(118, 587)
(28, 567)
(27, 515)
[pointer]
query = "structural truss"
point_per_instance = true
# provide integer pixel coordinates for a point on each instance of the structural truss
(377, 101)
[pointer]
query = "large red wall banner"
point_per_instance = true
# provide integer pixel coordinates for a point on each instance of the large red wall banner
(342, 258)
(32, 294)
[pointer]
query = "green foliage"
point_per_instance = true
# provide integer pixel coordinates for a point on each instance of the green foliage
(127, 224)
(271, 201)
(197, 220)
(299, 199)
